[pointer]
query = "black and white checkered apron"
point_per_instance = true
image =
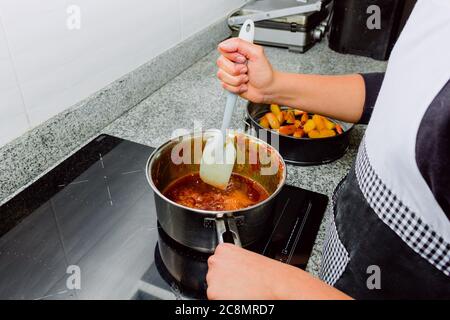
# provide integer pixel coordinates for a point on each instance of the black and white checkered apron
(414, 262)
(385, 216)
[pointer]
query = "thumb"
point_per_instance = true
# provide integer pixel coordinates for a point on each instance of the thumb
(249, 50)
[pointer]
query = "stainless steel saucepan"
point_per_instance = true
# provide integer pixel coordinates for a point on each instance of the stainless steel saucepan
(202, 230)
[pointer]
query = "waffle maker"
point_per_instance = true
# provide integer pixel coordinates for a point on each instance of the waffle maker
(293, 24)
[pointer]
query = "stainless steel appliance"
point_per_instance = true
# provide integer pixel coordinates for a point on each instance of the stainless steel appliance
(296, 25)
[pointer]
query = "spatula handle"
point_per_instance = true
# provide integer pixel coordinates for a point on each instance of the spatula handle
(247, 33)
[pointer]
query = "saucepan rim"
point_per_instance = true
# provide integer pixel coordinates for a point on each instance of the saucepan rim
(222, 213)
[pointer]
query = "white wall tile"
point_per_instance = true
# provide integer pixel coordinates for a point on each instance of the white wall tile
(58, 67)
(197, 14)
(13, 119)
(49, 68)
(13, 127)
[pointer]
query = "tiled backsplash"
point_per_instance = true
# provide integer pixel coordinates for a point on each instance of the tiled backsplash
(13, 118)
(46, 67)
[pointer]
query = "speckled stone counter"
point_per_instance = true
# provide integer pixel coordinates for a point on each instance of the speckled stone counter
(36, 152)
(196, 96)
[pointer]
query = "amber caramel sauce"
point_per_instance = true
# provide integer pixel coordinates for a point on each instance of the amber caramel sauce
(192, 192)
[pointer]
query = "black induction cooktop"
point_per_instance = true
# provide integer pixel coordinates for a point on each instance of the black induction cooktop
(88, 230)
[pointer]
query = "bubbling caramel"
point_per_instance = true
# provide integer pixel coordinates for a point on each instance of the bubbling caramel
(241, 192)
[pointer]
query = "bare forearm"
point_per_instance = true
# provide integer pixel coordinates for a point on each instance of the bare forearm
(304, 286)
(339, 97)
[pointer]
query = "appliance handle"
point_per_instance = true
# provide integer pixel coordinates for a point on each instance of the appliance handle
(232, 228)
(284, 12)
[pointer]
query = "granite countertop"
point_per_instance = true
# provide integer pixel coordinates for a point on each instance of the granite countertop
(196, 96)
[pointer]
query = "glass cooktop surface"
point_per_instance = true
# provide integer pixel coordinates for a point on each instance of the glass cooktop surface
(88, 230)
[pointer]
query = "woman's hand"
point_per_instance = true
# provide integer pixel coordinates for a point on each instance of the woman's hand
(236, 273)
(245, 70)
(339, 97)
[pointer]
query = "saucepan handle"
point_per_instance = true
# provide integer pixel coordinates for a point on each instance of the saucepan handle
(232, 228)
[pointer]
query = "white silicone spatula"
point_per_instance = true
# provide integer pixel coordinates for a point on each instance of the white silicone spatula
(219, 153)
